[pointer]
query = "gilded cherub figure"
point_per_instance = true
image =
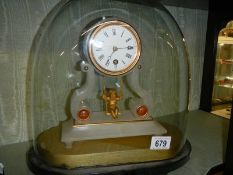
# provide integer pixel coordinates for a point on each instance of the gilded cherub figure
(110, 98)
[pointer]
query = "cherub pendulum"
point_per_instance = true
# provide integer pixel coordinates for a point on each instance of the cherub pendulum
(110, 98)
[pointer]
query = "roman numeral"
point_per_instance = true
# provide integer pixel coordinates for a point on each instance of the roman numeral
(105, 34)
(99, 49)
(101, 57)
(122, 33)
(114, 31)
(128, 40)
(128, 55)
(130, 47)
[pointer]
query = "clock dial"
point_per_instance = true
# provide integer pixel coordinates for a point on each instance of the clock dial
(114, 47)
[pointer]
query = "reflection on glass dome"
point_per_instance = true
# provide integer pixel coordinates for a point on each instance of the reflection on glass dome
(105, 77)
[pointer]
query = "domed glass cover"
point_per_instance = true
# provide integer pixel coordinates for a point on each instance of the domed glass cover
(105, 77)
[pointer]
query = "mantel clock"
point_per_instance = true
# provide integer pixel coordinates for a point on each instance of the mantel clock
(108, 85)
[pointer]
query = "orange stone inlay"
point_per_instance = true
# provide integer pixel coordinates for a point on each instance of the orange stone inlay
(142, 111)
(83, 114)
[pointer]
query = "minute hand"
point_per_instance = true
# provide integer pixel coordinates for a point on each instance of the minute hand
(128, 47)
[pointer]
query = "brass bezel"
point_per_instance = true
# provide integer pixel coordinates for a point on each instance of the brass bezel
(135, 57)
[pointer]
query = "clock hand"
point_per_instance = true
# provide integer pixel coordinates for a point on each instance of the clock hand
(110, 57)
(114, 49)
(128, 47)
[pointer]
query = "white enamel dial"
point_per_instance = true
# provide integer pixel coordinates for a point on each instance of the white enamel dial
(114, 47)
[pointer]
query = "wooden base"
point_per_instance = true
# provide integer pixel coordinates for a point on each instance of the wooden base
(105, 151)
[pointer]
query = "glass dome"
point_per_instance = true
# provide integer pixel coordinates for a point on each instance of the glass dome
(88, 112)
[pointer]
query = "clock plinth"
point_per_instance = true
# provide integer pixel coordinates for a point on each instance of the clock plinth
(128, 126)
(103, 152)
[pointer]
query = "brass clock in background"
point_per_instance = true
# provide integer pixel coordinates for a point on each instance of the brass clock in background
(114, 47)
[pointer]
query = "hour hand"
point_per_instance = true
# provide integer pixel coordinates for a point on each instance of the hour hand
(107, 62)
(114, 50)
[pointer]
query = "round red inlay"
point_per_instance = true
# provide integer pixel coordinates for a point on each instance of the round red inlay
(83, 114)
(142, 111)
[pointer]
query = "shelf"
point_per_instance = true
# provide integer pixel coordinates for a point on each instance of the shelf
(225, 40)
(224, 61)
(225, 85)
(220, 103)
(224, 81)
